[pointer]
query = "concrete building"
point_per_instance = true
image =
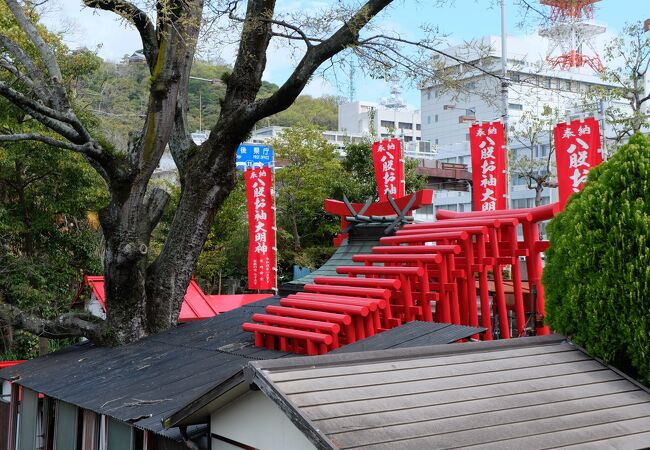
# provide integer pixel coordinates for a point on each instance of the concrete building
(356, 118)
(447, 114)
(337, 138)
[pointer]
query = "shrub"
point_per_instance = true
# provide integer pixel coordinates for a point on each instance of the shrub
(597, 274)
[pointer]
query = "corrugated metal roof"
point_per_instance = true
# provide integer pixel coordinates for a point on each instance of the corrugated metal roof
(523, 393)
(150, 379)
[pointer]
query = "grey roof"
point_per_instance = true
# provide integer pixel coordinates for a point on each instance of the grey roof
(342, 257)
(522, 393)
(148, 380)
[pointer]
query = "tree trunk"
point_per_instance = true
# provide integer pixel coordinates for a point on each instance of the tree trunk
(203, 193)
(125, 264)
(538, 193)
(28, 239)
(296, 236)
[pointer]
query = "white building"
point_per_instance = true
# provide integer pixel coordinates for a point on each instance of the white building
(356, 117)
(447, 114)
(337, 138)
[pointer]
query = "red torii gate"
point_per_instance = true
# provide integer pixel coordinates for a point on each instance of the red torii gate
(534, 246)
(411, 274)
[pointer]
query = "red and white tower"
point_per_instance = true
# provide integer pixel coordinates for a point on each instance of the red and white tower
(571, 33)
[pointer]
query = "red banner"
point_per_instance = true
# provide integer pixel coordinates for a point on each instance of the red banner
(389, 168)
(577, 149)
(488, 166)
(261, 221)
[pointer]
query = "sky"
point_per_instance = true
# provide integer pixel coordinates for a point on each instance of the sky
(458, 20)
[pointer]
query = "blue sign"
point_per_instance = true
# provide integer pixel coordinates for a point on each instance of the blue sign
(252, 156)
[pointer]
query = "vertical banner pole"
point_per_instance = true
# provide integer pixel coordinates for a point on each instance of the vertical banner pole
(274, 198)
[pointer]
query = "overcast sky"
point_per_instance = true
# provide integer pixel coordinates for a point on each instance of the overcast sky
(460, 20)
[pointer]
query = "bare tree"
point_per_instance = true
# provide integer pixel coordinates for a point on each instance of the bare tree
(141, 297)
(532, 132)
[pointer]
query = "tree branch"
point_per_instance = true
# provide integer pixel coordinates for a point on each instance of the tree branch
(76, 324)
(90, 148)
(346, 35)
(22, 101)
(33, 74)
(138, 19)
(156, 203)
(43, 49)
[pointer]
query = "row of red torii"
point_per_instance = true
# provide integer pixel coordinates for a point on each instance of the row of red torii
(425, 271)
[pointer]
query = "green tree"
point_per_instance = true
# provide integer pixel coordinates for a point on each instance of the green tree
(532, 131)
(48, 238)
(306, 110)
(361, 183)
(597, 274)
(48, 203)
(310, 174)
(225, 254)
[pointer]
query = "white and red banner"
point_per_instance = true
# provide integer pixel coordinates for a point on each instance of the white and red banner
(488, 166)
(389, 168)
(577, 150)
(261, 223)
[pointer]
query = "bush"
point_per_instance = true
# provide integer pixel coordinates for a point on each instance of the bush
(597, 274)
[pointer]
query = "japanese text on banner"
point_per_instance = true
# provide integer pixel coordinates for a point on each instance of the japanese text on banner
(488, 166)
(389, 168)
(577, 150)
(261, 219)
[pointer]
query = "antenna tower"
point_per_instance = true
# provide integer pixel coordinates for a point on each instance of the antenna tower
(395, 101)
(570, 32)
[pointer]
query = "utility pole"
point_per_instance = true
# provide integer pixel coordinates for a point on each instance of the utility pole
(504, 96)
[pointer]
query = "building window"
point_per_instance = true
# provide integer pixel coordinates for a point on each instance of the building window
(405, 126)
(467, 137)
(417, 138)
(515, 106)
(65, 433)
(28, 414)
(418, 127)
(408, 138)
(436, 117)
(387, 123)
(515, 77)
(436, 141)
(119, 435)
(429, 119)
(429, 94)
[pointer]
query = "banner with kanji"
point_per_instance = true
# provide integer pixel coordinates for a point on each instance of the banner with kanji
(577, 150)
(389, 168)
(488, 166)
(261, 220)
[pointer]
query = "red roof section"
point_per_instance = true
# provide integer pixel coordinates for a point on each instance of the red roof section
(223, 303)
(195, 304)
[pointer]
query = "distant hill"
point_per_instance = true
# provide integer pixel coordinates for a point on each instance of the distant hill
(117, 95)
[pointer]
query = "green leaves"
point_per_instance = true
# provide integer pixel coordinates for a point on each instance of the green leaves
(597, 276)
